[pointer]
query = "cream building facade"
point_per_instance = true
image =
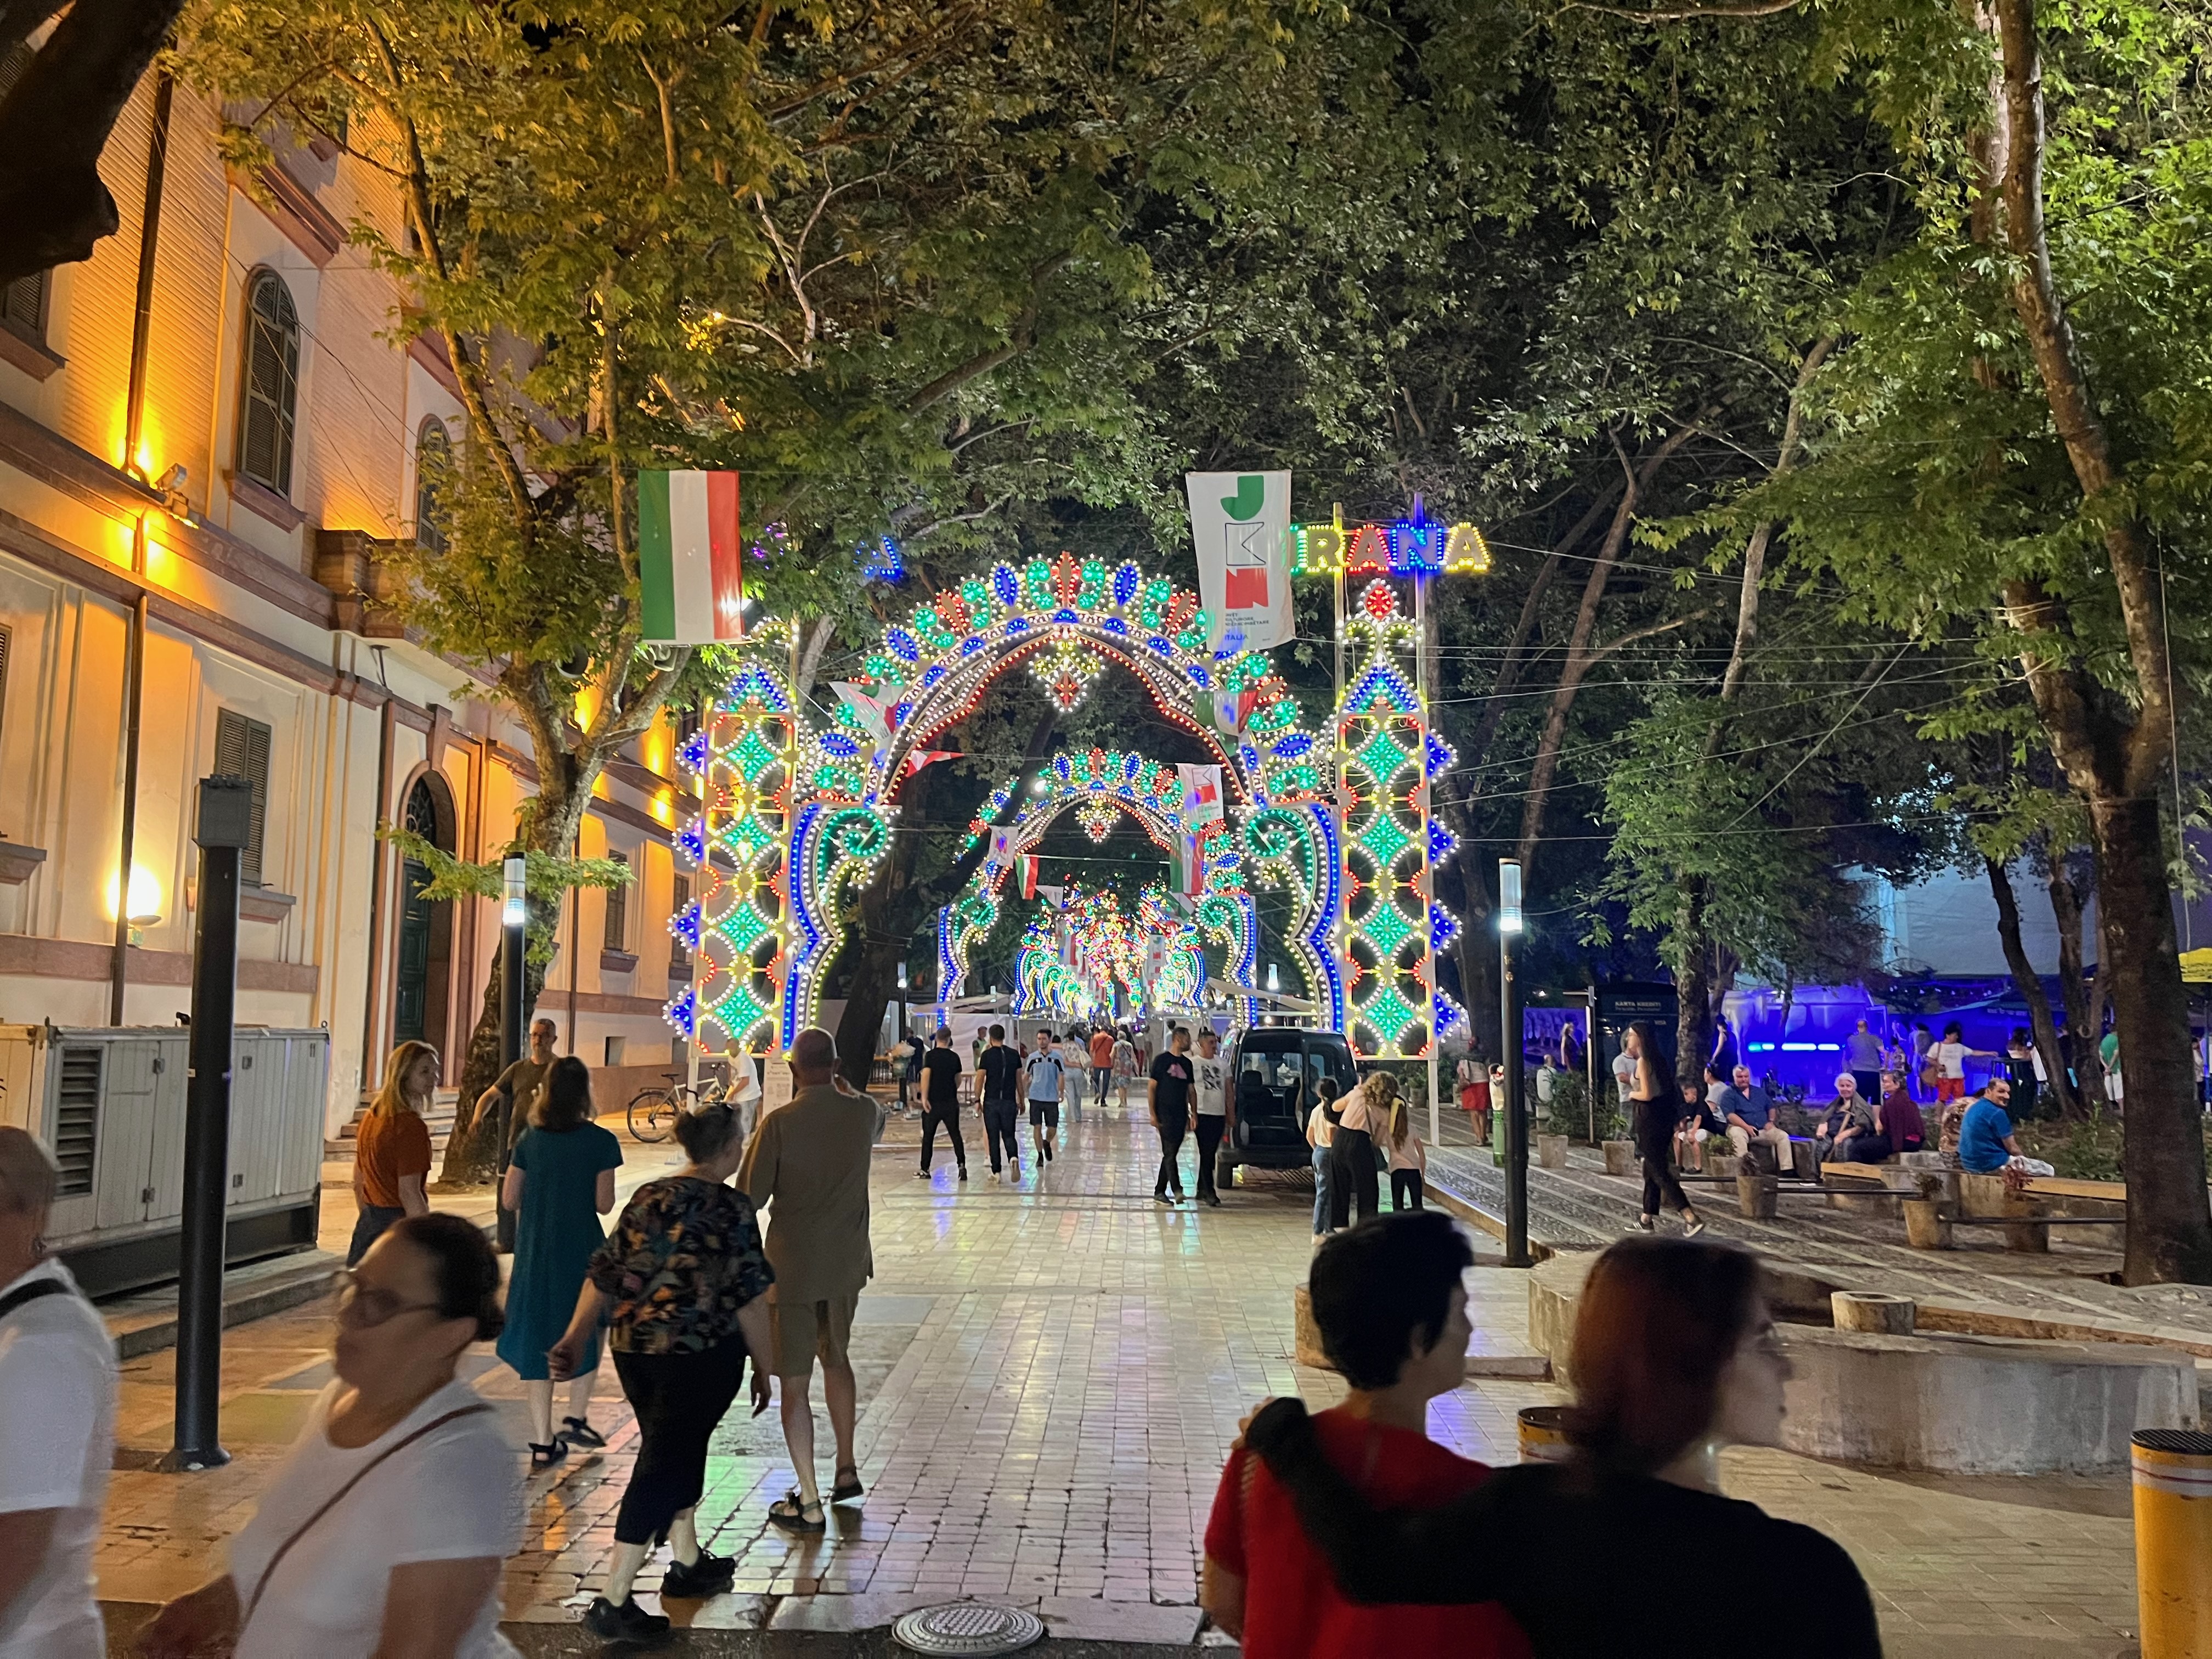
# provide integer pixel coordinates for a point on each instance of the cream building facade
(266, 378)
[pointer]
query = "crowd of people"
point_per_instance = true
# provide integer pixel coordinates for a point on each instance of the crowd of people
(384, 1528)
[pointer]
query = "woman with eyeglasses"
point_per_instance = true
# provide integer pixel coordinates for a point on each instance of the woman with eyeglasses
(1675, 1357)
(680, 1285)
(383, 1529)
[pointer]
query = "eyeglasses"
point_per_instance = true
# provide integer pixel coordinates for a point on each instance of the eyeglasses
(364, 1306)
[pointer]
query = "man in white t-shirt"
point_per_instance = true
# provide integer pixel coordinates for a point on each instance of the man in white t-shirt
(1209, 1090)
(56, 1426)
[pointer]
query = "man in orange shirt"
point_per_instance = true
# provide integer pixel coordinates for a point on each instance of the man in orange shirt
(1102, 1065)
(1391, 1307)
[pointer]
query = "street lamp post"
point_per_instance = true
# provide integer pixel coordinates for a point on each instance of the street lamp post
(514, 919)
(226, 821)
(1509, 926)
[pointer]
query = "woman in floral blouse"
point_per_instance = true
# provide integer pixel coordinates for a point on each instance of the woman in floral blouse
(679, 1283)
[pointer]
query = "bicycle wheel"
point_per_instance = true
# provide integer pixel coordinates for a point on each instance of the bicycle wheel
(652, 1114)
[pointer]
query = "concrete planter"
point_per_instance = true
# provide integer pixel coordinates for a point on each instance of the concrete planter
(1925, 1227)
(1620, 1157)
(1726, 1165)
(1871, 1310)
(1756, 1196)
(1552, 1151)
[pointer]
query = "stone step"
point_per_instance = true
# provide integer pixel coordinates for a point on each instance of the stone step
(146, 1320)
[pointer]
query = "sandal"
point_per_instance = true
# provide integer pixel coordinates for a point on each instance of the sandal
(789, 1513)
(846, 1490)
(575, 1431)
(544, 1457)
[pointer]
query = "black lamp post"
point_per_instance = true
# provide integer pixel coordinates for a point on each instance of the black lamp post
(1509, 926)
(225, 823)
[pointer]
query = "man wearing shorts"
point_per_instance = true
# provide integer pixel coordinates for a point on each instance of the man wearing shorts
(1045, 1073)
(808, 1169)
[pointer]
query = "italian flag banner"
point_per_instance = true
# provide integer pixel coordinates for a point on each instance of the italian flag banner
(1025, 873)
(690, 557)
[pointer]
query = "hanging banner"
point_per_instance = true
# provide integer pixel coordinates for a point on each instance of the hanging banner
(918, 758)
(1240, 525)
(1232, 711)
(1190, 864)
(1054, 896)
(874, 712)
(689, 562)
(1025, 872)
(1201, 794)
(1002, 849)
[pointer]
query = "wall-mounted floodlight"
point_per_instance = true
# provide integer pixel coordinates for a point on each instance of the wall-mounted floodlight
(1509, 895)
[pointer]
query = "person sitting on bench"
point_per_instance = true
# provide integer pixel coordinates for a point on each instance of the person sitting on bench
(1986, 1143)
(1898, 1119)
(1695, 1124)
(1846, 1134)
(1748, 1113)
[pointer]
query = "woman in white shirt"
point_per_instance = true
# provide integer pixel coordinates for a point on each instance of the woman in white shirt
(383, 1530)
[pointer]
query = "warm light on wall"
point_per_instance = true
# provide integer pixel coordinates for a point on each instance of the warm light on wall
(587, 705)
(657, 747)
(663, 806)
(145, 897)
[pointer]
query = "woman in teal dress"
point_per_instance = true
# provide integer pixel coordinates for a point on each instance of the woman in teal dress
(562, 1180)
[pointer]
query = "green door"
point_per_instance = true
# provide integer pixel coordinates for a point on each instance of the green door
(412, 999)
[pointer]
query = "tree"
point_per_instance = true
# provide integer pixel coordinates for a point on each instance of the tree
(2007, 446)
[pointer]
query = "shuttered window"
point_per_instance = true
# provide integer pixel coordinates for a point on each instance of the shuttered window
(241, 751)
(617, 912)
(434, 464)
(23, 306)
(269, 383)
(679, 894)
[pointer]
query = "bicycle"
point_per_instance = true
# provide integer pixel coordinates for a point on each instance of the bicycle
(652, 1112)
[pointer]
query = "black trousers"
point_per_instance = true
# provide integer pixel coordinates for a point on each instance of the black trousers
(1353, 1176)
(1001, 1123)
(950, 1117)
(679, 1398)
(1172, 1130)
(1209, 1143)
(1406, 1189)
(1659, 1178)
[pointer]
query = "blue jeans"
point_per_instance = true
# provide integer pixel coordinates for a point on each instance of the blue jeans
(1320, 1162)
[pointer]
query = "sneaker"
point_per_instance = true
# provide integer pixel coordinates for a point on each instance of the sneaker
(710, 1575)
(575, 1431)
(627, 1623)
(1162, 1198)
(1693, 1228)
(963, 1172)
(1214, 1198)
(922, 1174)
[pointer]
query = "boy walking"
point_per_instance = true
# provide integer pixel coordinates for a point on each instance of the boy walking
(1045, 1075)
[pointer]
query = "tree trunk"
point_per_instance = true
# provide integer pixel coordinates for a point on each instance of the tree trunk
(1693, 986)
(2169, 1219)
(469, 1158)
(2081, 1024)
(1475, 951)
(1581, 656)
(2029, 986)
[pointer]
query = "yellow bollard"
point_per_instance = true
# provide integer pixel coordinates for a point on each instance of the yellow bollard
(2174, 1542)
(1543, 1434)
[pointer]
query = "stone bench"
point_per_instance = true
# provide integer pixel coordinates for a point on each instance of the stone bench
(1937, 1402)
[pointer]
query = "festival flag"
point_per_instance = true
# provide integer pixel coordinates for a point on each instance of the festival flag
(1054, 896)
(1002, 849)
(918, 758)
(689, 557)
(1025, 872)
(874, 712)
(1190, 864)
(1232, 710)
(1201, 794)
(1240, 524)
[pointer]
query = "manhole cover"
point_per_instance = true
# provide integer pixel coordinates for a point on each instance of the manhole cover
(970, 1627)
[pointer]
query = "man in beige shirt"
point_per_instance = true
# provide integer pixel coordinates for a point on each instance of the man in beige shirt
(808, 1168)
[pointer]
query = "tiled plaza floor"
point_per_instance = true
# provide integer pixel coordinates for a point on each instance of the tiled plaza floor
(1050, 1375)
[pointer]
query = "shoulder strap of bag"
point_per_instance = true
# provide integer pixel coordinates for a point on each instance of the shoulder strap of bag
(332, 1501)
(30, 1293)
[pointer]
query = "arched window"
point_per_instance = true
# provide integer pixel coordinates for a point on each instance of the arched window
(434, 466)
(269, 385)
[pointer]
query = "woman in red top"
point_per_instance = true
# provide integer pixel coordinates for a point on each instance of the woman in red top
(392, 1148)
(1391, 1307)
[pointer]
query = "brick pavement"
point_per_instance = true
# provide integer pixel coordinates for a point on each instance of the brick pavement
(1050, 1376)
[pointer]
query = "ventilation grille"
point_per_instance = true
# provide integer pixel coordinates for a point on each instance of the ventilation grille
(77, 1119)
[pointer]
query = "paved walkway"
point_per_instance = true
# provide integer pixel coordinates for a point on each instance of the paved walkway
(1050, 1375)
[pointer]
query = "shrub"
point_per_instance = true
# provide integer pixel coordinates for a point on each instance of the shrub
(2086, 1149)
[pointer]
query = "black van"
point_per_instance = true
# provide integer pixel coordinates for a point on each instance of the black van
(1272, 1071)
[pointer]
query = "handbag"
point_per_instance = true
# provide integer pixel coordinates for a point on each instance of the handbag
(332, 1501)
